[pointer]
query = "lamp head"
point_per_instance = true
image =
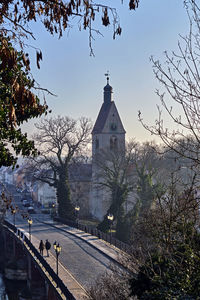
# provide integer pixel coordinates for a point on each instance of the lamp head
(54, 245)
(30, 221)
(58, 249)
(110, 217)
(77, 208)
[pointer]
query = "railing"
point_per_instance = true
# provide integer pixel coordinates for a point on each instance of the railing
(94, 231)
(49, 270)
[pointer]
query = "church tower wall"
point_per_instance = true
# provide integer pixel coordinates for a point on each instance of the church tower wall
(108, 134)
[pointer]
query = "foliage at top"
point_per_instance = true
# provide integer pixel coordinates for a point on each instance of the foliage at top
(57, 16)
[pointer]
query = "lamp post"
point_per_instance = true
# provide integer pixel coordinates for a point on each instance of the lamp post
(30, 222)
(57, 249)
(77, 209)
(52, 209)
(14, 212)
(110, 218)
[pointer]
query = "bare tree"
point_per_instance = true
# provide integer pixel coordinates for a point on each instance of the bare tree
(116, 176)
(148, 167)
(164, 262)
(127, 176)
(180, 78)
(166, 243)
(113, 285)
(60, 140)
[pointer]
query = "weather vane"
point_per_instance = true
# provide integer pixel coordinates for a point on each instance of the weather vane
(107, 76)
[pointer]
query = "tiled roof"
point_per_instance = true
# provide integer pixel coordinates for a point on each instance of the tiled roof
(102, 117)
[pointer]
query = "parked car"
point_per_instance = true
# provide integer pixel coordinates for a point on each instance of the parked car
(31, 210)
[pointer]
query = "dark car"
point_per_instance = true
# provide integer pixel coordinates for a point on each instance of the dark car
(31, 210)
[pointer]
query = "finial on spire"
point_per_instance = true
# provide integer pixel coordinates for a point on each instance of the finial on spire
(107, 76)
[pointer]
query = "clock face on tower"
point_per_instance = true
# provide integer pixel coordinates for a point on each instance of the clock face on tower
(113, 126)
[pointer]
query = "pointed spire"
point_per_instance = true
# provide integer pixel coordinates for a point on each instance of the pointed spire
(107, 90)
(107, 77)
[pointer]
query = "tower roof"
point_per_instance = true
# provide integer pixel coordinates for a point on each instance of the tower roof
(108, 87)
(107, 106)
(102, 117)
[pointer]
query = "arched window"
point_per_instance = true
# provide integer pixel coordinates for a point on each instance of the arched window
(113, 142)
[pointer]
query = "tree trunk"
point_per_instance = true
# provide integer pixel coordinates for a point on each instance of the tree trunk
(65, 207)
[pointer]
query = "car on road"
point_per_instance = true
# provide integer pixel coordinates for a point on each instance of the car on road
(31, 210)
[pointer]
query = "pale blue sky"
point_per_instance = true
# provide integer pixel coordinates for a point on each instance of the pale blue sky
(78, 79)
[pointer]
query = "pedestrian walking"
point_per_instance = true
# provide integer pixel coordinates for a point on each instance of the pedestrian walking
(47, 246)
(41, 247)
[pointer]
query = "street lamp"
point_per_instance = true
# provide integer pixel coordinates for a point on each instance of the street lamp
(77, 208)
(57, 249)
(110, 218)
(13, 212)
(30, 222)
(53, 209)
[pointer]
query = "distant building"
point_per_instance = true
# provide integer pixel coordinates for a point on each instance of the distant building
(19, 177)
(80, 177)
(8, 175)
(45, 194)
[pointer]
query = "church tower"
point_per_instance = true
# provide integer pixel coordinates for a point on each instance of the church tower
(108, 134)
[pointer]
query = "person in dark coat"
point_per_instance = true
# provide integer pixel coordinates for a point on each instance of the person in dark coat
(47, 246)
(41, 247)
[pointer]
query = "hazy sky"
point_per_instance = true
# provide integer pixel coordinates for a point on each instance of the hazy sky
(78, 79)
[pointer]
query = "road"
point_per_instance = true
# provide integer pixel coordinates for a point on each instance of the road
(83, 261)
